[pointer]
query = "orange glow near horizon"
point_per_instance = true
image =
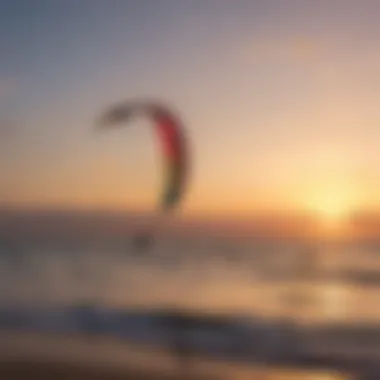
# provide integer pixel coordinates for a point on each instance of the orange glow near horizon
(332, 211)
(332, 204)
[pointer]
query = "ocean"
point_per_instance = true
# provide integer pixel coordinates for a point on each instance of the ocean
(244, 277)
(108, 288)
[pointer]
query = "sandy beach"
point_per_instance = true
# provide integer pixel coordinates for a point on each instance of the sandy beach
(46, 356)
(20, 370)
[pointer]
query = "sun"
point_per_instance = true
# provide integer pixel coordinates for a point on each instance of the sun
(332, 209)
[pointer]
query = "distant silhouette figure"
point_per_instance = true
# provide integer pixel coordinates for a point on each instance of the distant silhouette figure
(179, 328)
(143, 242)
(181, 325)
(182, 349)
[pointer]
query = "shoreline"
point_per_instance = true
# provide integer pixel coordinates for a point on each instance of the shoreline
(30, 355)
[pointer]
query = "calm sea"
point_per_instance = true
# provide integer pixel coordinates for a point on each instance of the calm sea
(249, 277)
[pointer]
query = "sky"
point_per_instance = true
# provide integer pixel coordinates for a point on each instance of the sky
(279, 100)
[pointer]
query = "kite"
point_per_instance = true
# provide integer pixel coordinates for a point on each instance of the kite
(170, 134)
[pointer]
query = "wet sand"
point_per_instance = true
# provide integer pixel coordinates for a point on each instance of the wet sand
(20, 370)
(34, 370)
(40, 356)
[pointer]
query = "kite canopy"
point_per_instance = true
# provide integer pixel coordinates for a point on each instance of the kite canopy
(171, 136)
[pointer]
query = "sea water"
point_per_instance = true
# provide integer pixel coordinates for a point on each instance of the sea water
(110, 288)
(248, 276)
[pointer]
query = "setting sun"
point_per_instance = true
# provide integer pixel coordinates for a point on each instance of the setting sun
(331, 211)
(332, 207)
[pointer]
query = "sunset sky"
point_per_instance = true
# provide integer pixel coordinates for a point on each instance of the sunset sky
(280, 100)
